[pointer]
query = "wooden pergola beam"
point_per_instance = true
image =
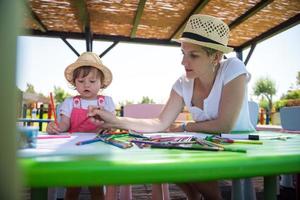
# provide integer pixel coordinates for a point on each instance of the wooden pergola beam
(84, 23)
(35, 18)
(196, 10)
(70, 46)
(137, 18)
(108, 49)
(84, 18)
(252, 11)
(250, 53)
(271, 32)
(113, 38)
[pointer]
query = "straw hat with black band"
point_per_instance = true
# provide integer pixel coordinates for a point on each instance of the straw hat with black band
(89, 59)
(207, 31)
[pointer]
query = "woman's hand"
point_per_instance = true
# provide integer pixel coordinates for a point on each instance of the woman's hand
(101, 117)
(176, 127)
(52, 128)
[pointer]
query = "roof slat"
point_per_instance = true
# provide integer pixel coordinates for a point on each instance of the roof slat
(249, 13)
(273, 31)
(197, 9)
(157, 21)
(271, 16)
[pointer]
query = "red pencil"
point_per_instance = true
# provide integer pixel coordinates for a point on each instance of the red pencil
(53, 108)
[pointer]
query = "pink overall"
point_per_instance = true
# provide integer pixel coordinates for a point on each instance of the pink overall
(79, 120)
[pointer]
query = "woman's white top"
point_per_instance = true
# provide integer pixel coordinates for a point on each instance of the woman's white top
(67, 105)
(229, 70)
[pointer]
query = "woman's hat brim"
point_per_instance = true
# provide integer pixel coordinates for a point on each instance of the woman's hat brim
(106, 72)
(218, 47)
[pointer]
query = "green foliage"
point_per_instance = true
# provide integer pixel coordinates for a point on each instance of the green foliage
(60, 94)
(279, 104)
(298, 79)
(291, 98)
(263, 103)
(266, 87)
(147, 100)
(292, 94)
(30, 88)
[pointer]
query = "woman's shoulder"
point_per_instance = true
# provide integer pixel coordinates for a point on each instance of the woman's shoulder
(232, 64)
(233, 61)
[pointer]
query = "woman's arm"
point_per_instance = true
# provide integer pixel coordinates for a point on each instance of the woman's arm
(230, 105)
(169, 113)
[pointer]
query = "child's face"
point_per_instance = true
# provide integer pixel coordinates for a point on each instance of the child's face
(89, 86)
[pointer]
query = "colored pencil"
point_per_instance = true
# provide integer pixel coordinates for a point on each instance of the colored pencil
(247, 141)
(185, 147)
(120, 144)
(53, 108)
(89, 141)
(53, 136)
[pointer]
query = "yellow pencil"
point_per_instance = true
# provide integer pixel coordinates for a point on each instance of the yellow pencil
(247, 141)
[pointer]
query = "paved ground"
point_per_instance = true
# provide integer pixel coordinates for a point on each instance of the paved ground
(143, 192)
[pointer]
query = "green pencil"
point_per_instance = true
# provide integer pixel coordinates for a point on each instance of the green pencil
(235, 149)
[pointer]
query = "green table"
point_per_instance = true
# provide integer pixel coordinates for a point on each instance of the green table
(110, 165)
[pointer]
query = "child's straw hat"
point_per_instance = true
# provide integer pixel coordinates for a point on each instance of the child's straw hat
(206, 31)
(89, 59)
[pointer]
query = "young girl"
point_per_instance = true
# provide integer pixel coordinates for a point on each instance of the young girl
(88, 75)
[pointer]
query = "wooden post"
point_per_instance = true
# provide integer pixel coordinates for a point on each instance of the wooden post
(41, 113)
(10, 13)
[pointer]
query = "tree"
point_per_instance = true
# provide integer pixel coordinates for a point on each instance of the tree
(266, 87)
(60, 94)
(298, 79)
(30, 88)
(147, 100)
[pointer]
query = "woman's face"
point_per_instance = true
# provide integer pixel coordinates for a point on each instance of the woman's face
(196, 61)
(89, 86)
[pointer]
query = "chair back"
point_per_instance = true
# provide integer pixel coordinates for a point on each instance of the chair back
(143, 110)
(253, 112)
(290, 118)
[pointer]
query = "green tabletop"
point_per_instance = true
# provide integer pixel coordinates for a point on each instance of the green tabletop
(106, 164)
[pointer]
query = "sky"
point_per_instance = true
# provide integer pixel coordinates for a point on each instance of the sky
(147, 70)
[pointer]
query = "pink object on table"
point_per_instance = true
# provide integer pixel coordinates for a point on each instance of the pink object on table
(52, 136)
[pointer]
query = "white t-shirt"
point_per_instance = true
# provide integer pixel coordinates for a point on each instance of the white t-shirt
(67, 105)
(229, 69)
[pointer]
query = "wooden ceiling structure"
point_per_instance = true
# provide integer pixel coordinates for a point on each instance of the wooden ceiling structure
(156, 21)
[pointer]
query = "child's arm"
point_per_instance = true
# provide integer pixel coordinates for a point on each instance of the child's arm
(61, 126)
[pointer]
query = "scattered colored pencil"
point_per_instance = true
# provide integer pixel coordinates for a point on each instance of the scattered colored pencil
(53, 136)
(89, 141)
(53, 108)
(248, 141)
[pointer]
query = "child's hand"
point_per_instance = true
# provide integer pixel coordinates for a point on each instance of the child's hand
(52, 128)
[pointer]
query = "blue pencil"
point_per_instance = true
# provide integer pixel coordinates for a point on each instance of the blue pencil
(89, 141)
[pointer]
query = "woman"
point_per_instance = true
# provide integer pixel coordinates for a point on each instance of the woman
(214, 92)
